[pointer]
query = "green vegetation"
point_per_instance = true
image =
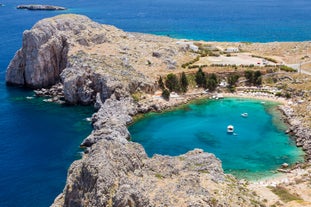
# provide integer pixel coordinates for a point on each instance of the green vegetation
(232, 80)
(185, 65)
(160, 82)
(137, 96)
(184, 82)
(253, 77)
(284, 194)
(200, 78)
(166, 94)
(287, 69)
(211, 82)
(158, 175)
(172, 82)
(266, 58)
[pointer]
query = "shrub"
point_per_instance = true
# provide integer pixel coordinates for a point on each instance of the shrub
(166, 94)
(287, 69)
(284, 194)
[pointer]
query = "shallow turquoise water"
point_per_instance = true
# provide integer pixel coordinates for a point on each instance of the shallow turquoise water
(259, 147)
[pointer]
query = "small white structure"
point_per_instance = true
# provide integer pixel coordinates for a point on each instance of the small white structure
(174, 95)
(230, 129)
(223, 84)
(189, 45)
(232, 49)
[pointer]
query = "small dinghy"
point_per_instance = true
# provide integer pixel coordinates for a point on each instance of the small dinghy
(244, 115)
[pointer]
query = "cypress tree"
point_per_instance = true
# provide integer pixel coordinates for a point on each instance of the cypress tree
(257, 78)
(160, 82)
(184, 82)
(200, 78)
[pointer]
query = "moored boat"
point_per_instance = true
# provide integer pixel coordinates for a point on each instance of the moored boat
(230, 129)
(244, 115)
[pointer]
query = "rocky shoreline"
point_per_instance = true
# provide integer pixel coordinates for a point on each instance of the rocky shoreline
(297, 130)
(77, 61)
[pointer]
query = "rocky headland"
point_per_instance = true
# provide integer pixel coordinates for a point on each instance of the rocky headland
(78, 61)
(40, 7)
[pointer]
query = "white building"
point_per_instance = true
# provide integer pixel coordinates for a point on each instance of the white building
(232, 49)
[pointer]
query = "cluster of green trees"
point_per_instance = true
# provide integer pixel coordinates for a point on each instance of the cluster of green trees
(209, 81)
(253, 77)
(173, 83)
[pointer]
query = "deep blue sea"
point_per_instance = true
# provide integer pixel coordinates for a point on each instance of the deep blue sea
(255, 150)
(39, 140)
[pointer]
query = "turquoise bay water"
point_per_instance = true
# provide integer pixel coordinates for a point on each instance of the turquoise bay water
(258, 148)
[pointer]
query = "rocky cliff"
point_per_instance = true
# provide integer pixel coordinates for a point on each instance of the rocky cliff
(87, 57)
(88, 63)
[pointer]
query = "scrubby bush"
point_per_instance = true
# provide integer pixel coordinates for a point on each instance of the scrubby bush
(166, 94)
(287, 69)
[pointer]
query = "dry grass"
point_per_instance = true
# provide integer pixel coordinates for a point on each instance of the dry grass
(284, 194)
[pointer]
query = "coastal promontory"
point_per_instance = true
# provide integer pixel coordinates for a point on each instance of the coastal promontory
(78, 61)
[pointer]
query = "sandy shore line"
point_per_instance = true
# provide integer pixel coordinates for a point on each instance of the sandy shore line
(257, 96)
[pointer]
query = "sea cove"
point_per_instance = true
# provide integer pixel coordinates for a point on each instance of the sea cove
(257, 148)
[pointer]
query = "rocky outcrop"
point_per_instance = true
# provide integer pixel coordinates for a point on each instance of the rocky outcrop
(40, 7)
(299, 132)
(41, 59)
(88, 58)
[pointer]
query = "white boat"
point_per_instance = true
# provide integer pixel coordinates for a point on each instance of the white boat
(230, 129)
(244, 115)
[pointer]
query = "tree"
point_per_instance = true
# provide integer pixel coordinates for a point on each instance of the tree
(249, 76)
(184, 82)
(200, 78)
(257, 78)
(232, 80)
(172, 82)
(160, 82)
(212, 82)
(166, 94)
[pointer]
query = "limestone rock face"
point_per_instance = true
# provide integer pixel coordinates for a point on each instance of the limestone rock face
(87, 57)
(121, 174)
(41, 59)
